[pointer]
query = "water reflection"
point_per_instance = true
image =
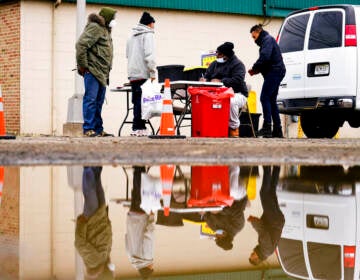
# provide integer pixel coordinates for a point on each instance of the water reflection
(138, 222)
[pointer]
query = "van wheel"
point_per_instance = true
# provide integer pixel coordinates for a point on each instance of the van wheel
(319, 126)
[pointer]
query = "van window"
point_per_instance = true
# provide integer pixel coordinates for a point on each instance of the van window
(325, 260)
(291, 254)
(326, 30)
(293, 34)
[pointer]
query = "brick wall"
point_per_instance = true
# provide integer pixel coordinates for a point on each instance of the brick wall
(10, 63)
(9, 224)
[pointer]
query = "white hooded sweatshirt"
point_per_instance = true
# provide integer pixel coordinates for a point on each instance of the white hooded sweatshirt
(140, 52)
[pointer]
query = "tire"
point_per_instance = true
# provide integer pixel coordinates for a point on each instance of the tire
(319, 125)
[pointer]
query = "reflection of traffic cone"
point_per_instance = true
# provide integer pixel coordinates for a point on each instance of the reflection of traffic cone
(2, 121)
(1, 181)
(167, 177)
(167, 123)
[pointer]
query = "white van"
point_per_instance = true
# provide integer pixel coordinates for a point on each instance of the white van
(320, 48)
(320, 238)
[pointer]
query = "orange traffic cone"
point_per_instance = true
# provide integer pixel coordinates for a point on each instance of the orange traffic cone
(2, 121)
(1, 181)
(167, 123)
(167, 177)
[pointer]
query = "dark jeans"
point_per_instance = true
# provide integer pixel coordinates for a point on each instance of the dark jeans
(136, 191)
(92, 190)
(138, 123)
(92, 103)
(269, 92)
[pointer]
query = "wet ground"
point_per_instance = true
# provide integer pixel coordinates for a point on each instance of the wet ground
(130, 150)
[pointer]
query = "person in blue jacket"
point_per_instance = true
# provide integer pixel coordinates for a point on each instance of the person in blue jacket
(270, 64)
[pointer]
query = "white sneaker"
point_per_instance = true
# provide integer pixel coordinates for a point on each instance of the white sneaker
(142, 132)
(134, 133)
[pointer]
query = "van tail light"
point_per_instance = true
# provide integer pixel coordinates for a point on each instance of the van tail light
(350, 35)
(277, 38)
(313, 8)
(349, 256)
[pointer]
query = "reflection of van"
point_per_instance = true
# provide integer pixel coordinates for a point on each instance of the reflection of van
(320, 50)
(321, 232)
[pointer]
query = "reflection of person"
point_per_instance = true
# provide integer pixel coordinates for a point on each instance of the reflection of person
(140, 227)
(230, 221)
(140, 52)
(94, 54)
(270, 64)
(93, 234)
(271, 223)
(229, 70)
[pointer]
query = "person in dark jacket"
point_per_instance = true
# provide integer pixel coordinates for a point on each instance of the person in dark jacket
(93, 233)
(271, 223)
(229, 70)
(94, 55)
(270, 64)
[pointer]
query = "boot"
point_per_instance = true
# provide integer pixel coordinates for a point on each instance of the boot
(265, 131)
(277, 132)
(233, 132)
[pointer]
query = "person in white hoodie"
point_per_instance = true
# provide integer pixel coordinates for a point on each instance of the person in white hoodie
(140, 52)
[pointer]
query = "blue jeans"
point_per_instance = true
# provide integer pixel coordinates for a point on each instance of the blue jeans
(138, 122)
(269, 92)
(92, 103)
(93, 191)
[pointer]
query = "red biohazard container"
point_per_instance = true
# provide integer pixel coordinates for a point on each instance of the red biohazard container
(210, 109)
(210, 186)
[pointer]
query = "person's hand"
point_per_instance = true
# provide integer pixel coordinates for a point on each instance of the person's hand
(216, 81)
(252, 219)
(202, 79)
(82, 70)
(251, 72)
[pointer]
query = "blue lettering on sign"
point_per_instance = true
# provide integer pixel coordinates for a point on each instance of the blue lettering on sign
(156, 97)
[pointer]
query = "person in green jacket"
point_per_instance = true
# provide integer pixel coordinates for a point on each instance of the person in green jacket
(93, 233)
(94, 55)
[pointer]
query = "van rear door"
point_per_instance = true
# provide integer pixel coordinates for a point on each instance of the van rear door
(291, 43)
(330, 65)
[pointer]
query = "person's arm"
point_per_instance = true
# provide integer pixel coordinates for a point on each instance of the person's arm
(87, 39)
(149, 54)
(237, 78)
(265, 55)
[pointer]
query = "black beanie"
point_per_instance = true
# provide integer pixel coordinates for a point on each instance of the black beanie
(226, 49)
(146, 18)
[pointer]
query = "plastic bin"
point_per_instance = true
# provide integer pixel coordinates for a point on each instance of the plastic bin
(210, 186)
(245, 125)
(172, 72)
(210, 109)
(194, 73)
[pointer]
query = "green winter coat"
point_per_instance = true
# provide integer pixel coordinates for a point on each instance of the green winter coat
(93, 238)
(94, 49)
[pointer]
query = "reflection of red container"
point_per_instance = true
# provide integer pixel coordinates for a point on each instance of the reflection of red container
(210, 109)
(210, 186)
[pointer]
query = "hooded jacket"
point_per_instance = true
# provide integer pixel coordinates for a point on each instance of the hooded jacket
(140, 52)
(270, 59)
(94, 49)
(231, 73)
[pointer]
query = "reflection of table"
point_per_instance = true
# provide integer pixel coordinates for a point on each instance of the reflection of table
(179, 92)
(127, 90)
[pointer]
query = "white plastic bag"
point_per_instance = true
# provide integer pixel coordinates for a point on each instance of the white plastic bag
(151, 100)
(151, 192)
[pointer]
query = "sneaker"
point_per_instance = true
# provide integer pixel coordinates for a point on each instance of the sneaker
(90, 133)
(233, 132)
(105, 134)
(142, 133)
(134, 133)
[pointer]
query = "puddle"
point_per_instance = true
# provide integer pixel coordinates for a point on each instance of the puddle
(179, 222)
